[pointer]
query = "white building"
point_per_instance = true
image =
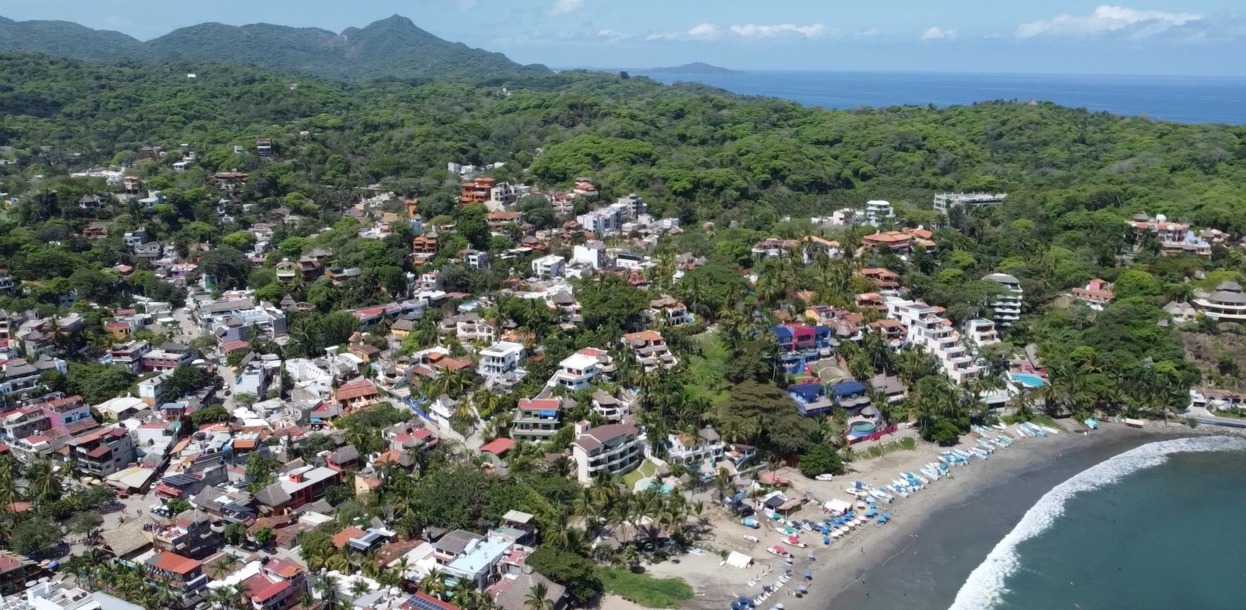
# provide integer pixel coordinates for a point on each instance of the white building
(981, 332)
(253, 380)
(500, 358)
(550, 266)
(686, 449)
(650, 350)
(579, 370)
(613, 449)
(592, 253)
(58, 595)
(946, 201)
(602, 222)
(931, 331)
(1226, 302)
(877, 212)
(1007, 303)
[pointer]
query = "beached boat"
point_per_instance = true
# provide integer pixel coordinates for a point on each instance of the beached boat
(777, 550)
(932, 473)
(882, 495)
(751, 538)
(750, 522)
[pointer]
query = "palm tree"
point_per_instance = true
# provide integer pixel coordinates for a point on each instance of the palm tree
(538, 598)
(326, 586)
(359, 588)
(433, 583)
(487, 403)
(225, 565)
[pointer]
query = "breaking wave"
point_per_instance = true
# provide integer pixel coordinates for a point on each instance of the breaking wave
(985, 586)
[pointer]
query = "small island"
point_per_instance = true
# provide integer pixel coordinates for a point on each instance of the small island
(692, 68)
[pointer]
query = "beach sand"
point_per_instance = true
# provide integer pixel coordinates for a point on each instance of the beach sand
(845, 573)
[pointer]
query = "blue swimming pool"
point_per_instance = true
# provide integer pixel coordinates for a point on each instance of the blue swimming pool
(1028, 380)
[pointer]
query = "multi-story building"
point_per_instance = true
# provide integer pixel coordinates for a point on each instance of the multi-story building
(592, 253)
(1006, 304)
(612, 408)
(279, 584)
(129, 356)
(612, 449)
(6, 282)
(183, 575)
(537, 419)
(650, 350)
(946, 201)
(296, 488)
(877, 213)
(981, 332)
(887, 281)
(1226, 302)
(815, 398)
(18, 376)
(58, 595)
(667, 311)
(102, 452)
(686, 449)
(819, 246)
(931, 331)
(1097, 294)
(189, 534)
(549, 266)
(603, 222)
(579, 370)
(168, 357)
(500, 358)
(800, 344)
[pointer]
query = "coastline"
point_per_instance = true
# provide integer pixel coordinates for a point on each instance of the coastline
(937, 537)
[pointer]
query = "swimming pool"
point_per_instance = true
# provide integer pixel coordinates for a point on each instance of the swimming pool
(1029, 380)
(863, 427)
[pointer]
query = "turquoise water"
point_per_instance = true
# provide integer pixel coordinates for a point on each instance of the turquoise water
(1028, 380)
(1164, 537)
(1131, 524)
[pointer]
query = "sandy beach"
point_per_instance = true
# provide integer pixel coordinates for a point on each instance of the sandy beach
(842, 572)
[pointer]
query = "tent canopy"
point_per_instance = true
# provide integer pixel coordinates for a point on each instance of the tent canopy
(835, 506)
(739, 560)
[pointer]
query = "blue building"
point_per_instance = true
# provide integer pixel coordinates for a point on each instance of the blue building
(801, 344)
(815, 399)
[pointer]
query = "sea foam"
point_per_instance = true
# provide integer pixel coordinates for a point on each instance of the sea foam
(985, 586)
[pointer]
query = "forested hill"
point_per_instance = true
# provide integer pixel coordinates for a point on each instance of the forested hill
(753, 159)
(390, 48)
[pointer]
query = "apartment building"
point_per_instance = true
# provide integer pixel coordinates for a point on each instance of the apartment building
(1226, 302)
(931, 331)
(500, 358)
(877, 213)
(612, 449)
(183, 575)
(537, 419)
(579, 370)
(650, 350)
(943, 202)
(102, 452)
(1006, 304)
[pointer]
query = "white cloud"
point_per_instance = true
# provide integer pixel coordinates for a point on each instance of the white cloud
(562, 7)
(770, 31)
(938, 33)
(1107, 19)
(703, 31)
(750, 31)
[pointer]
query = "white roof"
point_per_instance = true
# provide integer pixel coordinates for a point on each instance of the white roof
(502, 348)
(578, 361)
(121, 404)
(739, 560)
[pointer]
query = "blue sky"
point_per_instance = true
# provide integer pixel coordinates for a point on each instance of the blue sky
(1050, 36)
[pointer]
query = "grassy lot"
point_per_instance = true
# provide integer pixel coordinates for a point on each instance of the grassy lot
(646, 469)
(646, 590)
(708, 369)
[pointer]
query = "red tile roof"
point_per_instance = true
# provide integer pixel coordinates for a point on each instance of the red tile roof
(498, 446)
(261, 589)
(177, 564)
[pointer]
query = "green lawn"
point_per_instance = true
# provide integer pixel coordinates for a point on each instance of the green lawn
(708, 369)
(646, 590)
(646, 469)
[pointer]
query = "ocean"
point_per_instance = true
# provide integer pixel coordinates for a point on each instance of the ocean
(1116, 525)
(1183, 99)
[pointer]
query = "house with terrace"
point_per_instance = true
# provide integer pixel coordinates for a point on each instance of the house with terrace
(538, 419)
(579, 370)
(666, 311)
(800, 344)
(815, 398)
(650, 350)
(704, 447)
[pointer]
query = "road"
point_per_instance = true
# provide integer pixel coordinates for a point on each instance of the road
(1206, 418)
